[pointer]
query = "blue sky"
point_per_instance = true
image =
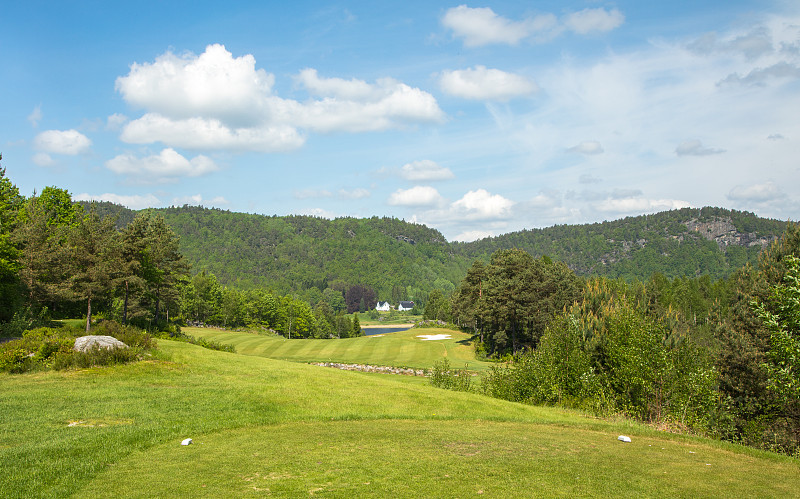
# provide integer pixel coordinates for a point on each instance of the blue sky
(477, 119)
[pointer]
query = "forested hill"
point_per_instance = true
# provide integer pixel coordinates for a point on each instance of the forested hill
(400, 259)
(297, 253)
(687, 242)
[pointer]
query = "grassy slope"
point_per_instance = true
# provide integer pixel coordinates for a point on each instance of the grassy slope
(396, 349)
(263, 426)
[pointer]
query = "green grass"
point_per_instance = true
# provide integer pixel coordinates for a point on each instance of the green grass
(403, 348)
(267, 427)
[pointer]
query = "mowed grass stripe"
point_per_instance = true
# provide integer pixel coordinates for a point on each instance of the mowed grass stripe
(395, 349)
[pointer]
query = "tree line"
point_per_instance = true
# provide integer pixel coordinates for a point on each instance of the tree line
(717, 356)
(60, 259)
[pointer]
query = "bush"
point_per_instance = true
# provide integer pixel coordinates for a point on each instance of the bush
(14, 359)
(51, 348)
(443, 377)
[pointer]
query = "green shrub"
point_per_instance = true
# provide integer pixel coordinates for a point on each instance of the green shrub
(52, 348)
(13, 359)
(451, 379)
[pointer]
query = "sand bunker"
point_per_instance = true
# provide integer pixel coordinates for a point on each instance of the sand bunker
(434, 337)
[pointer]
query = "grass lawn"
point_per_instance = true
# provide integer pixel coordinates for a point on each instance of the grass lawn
(264, 427)
(403, 348)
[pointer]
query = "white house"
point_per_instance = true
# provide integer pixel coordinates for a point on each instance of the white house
(382, 306)
(405, 305)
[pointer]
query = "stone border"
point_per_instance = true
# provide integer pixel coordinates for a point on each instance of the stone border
(406, 371)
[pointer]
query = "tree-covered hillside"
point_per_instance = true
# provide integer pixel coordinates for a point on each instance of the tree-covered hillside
(688, 242)
(401, 260)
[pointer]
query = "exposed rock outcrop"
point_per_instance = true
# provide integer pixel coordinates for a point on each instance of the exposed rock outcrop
(86, 343)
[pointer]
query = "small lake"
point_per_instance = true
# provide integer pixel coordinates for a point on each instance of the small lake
(371, 331)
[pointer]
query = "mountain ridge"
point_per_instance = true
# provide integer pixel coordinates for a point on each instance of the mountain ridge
(398, 259)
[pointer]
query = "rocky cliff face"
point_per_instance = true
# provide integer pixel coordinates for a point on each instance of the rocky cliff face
(725, 234)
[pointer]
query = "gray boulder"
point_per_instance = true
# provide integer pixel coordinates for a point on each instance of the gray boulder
(86, 343)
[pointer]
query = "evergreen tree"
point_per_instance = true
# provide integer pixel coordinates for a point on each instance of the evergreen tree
(94, 259)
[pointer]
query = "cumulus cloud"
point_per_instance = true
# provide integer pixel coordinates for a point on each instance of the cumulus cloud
(134, 202)
(759, 193)
(588, 147)
(486, 84)
(353, 89)
(214, 84)
(210, 134)
(481, 205)
(68, 142)
(218, 101)
(594, 20)
(482, 26)
(695, 148)
(199, 200)
(167, 166)
(43, 159)
(416, 196)
(425, 171)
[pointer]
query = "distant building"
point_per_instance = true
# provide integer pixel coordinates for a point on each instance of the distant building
(405, 305)
(382, 306)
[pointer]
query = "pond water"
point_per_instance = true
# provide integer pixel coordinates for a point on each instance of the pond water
(371, 331)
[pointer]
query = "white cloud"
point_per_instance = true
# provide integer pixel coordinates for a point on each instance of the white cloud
(198, 200)
(594, 20)
(68, 142)
(358, 193)
(387, 104)
(319, 212)
(353, 89)
(167, 166)
(43, 159)
(472, 235)
(213, 84)
(481, 205)
(589, 147)
(35, 117)
(425, 171)
(217, 101)
(416, 196)
(115, 121)
(134, 202)
(759, 193)
(312, 194)
(481, 26)
(695, 148)
(638, 205)
(759, 76)
(486, 84)
(209, 134)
